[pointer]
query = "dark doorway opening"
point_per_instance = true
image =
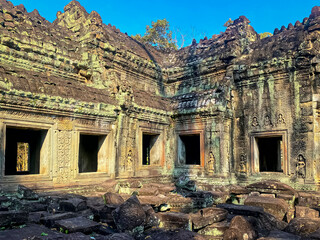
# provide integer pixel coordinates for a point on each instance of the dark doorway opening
(149, 150)
(270, 154)
(22, 154)
(191, 146)
(88, 152)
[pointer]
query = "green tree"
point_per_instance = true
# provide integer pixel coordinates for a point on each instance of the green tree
(158, 35)
(265, 34)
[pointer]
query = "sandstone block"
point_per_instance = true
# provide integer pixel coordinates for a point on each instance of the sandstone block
(216, 229)
(174, 220)
(113, 198)
(49, 221)
(207, 216)
(78, 224)
(179, 234)
(148, 191)
(275, 206)
(303, 226)
(9, 218)
(129, 215)
(306, 212)
(73, 205)
(240, 228)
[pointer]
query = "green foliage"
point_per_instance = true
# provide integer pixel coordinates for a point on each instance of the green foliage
(265, 34)
(228, 23)
(44, 234)
(158, 35)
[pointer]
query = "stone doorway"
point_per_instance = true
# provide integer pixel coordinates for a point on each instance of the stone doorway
(189, 149)
(22, 153)
(269, 153)
(150, 149)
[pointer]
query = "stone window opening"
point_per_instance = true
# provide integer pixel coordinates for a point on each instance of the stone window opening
(270, 152)
(90, 151)
(23, 150)
(189, 149)
(150, 149)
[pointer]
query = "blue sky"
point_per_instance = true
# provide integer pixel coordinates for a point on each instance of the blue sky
(194, 19)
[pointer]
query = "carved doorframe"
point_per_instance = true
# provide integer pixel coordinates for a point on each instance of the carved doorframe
(254, 159)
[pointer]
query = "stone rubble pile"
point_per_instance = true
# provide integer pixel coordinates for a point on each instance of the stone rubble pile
(186, 210)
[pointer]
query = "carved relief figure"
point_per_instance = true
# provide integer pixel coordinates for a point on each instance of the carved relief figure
(243, 164)
(255, 122)
(267, 121)
(301, 167)
(280, 119)
(211, 162)
(129, 161)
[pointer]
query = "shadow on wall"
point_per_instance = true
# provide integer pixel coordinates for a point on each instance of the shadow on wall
(158, 68)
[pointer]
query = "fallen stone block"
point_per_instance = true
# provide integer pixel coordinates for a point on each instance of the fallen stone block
(272, 186)
(303, 226)
(207, 216)
(275, 206)
(269, 221)
(174, 220)
(148, 191)
(151, 217)
(179, 234)
(35, 217)
(26, 193)
(105, 214)
(31, 231)
(30, 206)
(113, 198)
(78, 224)
(49, 221)
(155, 201)
(9, 218)
(306, 212)
(73, 205)
(129, 215)
(240, 228)
(119, 236)
(215, 229)
(280, 235)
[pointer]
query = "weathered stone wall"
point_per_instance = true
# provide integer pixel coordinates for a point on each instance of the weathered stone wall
(78, 76)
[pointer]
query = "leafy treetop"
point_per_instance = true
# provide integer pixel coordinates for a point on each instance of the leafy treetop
(158, 35)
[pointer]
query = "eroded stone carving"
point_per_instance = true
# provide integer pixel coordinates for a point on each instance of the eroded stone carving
(301, 167)
(255, 122)
(243, 164)
(211, 162)
(281, 119)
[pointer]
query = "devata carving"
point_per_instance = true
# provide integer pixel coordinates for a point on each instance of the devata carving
(301, 167)
(243, 164)
(129, 161)
(255, 122)
(211, 162)
(280, 119)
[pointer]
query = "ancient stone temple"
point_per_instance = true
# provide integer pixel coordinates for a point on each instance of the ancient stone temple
(82, 102)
